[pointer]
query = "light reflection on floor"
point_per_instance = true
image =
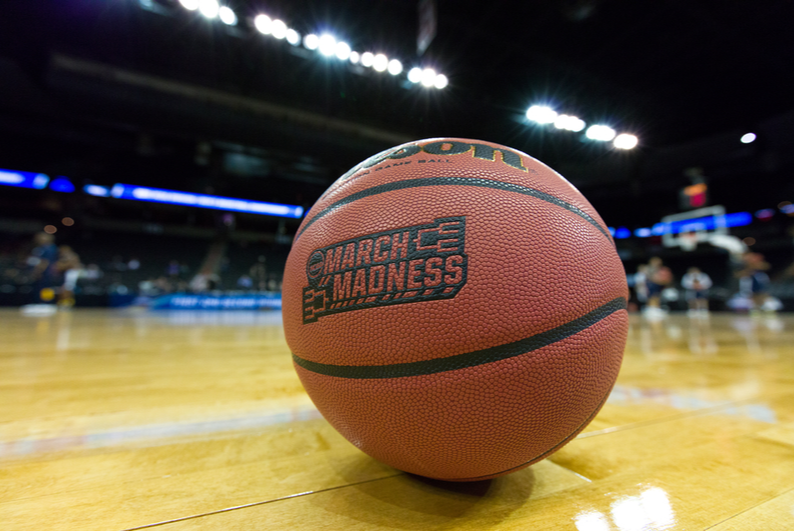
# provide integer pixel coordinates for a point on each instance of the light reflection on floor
(648, 511)
(154, 434)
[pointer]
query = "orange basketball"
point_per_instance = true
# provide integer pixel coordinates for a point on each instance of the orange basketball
(455, 308)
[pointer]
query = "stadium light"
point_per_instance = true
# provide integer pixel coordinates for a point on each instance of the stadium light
(263, 23)
(576, 125)
(227, 16)
(278, 29)
(293, 37)
(625, 141)
(327, 45)
(600, 133)
(394, 67)
(561, 122)
(190, 5)
(569, 123)
(428, 77)
(209, 8)
(311, 41)
(173, 197)
(342, 50)
(747, 138)
(380, 62)
(541, 114)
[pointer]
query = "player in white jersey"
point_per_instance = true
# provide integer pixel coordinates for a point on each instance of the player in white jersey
(696, 284)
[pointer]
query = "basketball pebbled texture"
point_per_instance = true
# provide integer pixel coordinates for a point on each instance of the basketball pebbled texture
(455, 308)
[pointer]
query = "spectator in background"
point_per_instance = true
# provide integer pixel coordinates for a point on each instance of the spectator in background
(117, 264)
(259, 274)
(93, 273)
(658, 278)
(173, 269)
(162, 285)
(696, 284)
(245, 282)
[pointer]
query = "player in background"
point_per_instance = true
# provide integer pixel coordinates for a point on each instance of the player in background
(641, 284)
(259, 274)
(42, 259)
(69, 266)
(696, 284)
(658, 278)
(754, 281)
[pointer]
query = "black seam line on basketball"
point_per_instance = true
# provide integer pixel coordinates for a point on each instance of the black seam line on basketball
(453, 181)
(551, 450)
(467, 359)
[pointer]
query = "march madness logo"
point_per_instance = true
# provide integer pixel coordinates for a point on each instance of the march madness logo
(409, 264)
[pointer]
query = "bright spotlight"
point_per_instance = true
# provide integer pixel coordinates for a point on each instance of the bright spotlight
(342, 50)
(562, 121)
(541, 114)
(367, 59)
(575, 124)
(279, 29)
(415, 75)
(354, 57)
(440, 81)
(209, 8)
(570, 123)
(311, 41)
(327, 45)
(625, 141)
(263, 23)
(747, 138)
(293, 37)
(190, 5)
(428, 77)
(380, 62)
(394, 67)
(601, 133)
(227, 16)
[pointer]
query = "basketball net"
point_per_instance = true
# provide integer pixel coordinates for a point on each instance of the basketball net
(688, 241)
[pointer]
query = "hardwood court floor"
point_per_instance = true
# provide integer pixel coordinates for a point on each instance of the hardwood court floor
(123, 420)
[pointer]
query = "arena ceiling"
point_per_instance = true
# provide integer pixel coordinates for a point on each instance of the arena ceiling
(148, 93)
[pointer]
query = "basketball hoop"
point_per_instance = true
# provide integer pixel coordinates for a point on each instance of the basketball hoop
(685, 230)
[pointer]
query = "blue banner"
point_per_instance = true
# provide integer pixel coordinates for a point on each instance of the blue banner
(247, 301)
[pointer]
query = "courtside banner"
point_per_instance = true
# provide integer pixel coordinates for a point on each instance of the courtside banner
(249, 301)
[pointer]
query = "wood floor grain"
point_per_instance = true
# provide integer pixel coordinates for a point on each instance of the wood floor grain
(196, 420)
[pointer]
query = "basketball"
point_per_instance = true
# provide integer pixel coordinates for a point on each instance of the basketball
(455, 308)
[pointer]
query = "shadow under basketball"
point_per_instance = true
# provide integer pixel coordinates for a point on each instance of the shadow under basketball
(407, 501)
